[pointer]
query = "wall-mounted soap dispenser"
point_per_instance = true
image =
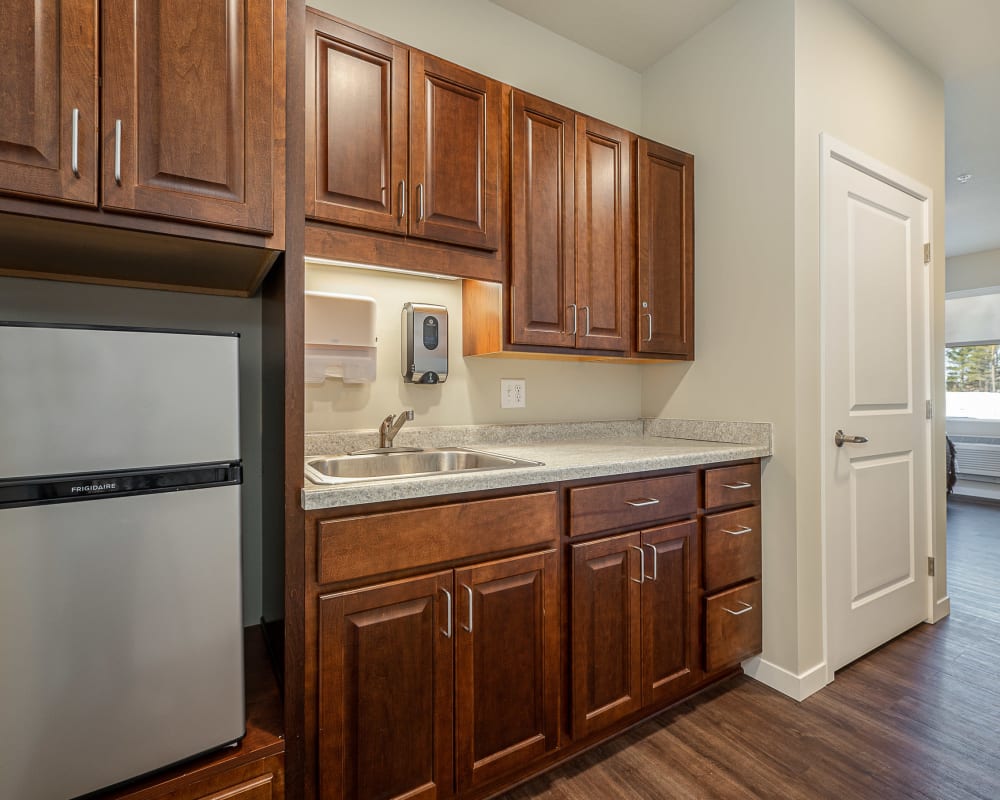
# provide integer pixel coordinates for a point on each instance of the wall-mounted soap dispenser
(425, 343)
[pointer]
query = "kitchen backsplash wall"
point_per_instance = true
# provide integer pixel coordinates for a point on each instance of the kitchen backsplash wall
(555, 390)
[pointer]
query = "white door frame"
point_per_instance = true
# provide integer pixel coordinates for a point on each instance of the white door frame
(832, 149)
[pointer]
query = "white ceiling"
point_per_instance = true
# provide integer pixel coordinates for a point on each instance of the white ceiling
(957, 39)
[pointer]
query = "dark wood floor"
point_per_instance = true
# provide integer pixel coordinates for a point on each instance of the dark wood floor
(918, 718)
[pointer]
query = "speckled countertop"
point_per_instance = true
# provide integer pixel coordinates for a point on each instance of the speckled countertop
(568, 451)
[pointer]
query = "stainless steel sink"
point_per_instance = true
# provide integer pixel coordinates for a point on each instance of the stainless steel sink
(404, 464)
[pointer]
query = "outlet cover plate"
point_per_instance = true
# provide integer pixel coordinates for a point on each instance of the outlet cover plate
(512, 393)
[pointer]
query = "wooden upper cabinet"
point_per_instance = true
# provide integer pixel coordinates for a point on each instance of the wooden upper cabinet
(48, 99)
(543, 267)
(507, 665)
(356, 132)
(455, 132)
(187, 110)
(665, 274)
(385, 691)
(604, 243)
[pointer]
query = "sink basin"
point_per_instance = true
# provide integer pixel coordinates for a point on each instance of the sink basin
(383, 466)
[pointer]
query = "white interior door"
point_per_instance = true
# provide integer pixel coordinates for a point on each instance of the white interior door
(876, 386)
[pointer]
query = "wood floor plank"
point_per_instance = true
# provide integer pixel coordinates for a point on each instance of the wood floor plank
(918, 719)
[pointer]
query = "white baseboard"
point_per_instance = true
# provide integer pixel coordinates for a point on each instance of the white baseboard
(942, 608)
(798, 687)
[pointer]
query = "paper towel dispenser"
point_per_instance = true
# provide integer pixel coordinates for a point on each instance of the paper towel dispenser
(425, 343)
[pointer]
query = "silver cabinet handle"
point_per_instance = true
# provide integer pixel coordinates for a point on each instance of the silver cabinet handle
(746, 607)
(447, 595)
(573, 306)
(840, 437)
(75, 136)
(740, 485)
(652, 548)
(118, 152)
(642, 565)
(645, 501)
(402, 199)
(469, 626)
(587, 331)
(743, 529)
(420, 202)
(649, 320)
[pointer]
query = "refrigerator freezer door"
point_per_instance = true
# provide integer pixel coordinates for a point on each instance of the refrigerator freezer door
(85, 399)
(120, 638)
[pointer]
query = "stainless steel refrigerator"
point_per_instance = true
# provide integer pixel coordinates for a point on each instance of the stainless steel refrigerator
(121, 646)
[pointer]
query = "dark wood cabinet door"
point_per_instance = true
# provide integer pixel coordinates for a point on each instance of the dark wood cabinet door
(604, 241)
(605, 619)
(48, 88)
(385, 691)
(543, 268)
(356, 107)
(187, 110)
(455, 132)
(670, 652)
(665, 272)
(506, 665)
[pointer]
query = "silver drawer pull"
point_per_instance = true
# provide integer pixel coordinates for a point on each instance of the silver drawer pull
(746, 607)
(740, 532)
(573, 306)
(740, 485)
(642, 565)
(75, 145)
(640, 502)
(447, 594)
(469, 626)
(652, 549)
(118, 152)
(402, 200)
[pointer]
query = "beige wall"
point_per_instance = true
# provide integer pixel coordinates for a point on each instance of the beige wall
(555, 391)
(487, 38)
(854, 83)
(726, 96)
(973, 271)
(52, 301)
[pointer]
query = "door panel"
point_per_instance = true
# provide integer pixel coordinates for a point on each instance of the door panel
(604, 257)
(669, 600)
(191, 86)
(665, 213)
(876, 325)
(49, 66)
(385, 691)
(507, 665)
(356, 111)
(455, 130)
(543, 268)
(606, 654)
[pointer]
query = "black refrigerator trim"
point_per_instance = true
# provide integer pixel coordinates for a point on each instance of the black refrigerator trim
(79, 487)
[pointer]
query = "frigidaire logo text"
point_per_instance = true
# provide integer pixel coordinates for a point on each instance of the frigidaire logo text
(94, 487)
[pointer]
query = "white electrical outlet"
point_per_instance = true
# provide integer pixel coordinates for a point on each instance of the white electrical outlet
(511, 393)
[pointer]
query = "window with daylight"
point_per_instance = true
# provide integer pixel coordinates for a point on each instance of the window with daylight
(973, 379)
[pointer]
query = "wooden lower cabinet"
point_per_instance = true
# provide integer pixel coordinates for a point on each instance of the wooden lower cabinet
(445, 679)
(635, 633)
(259, 780)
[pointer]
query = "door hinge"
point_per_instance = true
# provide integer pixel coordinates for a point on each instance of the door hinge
(930, 566)
(930, 410)
(927, 253)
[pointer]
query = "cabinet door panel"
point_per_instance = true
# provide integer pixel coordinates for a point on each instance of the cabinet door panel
(356, 106)
(507, 665)
(669, 608)
(543, 269)
(604, 258)
(606, 661)
(665, 314)
(385, 691)
(455, 129)
(48, 64)
(191, 85)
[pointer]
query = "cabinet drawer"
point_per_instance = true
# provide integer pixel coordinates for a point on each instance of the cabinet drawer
(732, 547)
(732, 486)
(632, 503)
(732, 626)
(377, 544)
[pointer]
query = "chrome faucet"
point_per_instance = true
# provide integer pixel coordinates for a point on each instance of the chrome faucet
(390, 427)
